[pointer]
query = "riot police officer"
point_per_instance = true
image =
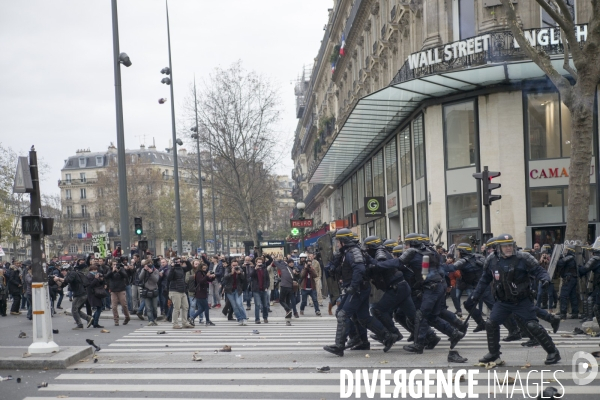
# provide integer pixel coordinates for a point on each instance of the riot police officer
(593, 265)
(567, 270)
(434, 293)
(390, 244)
(385, 275)
(510, 273)
(355, 295)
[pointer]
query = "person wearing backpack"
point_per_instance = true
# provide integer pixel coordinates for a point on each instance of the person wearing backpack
(78, 283)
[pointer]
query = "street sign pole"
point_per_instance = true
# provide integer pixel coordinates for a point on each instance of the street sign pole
(43, 340)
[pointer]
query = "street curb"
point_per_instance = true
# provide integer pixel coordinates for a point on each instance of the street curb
(65, 357)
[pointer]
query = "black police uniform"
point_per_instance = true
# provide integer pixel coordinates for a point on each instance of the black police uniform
(355, 300)
(512, 290)
(567, 270)
(593, 265)
(433, 300)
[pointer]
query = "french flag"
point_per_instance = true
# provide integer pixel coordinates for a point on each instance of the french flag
(343, 47)
(332, 68)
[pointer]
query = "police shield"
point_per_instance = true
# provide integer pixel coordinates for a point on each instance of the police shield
(325, 250)
(556, 252)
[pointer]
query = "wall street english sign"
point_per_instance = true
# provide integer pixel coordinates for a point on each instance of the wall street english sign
(491, 47)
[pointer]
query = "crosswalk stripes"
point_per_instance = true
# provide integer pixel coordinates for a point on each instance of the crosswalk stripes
(309, 334)
(292, 385)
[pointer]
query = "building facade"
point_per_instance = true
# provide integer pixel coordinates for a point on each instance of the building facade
(424, 95)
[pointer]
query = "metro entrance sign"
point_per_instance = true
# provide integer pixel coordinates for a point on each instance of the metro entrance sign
(301, 223)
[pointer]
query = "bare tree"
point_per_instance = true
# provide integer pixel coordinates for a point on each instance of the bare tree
(238, 112)
(577, 93)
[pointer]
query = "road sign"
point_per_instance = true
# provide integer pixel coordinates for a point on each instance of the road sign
(23, 183)
(31, 225)
(301, 223)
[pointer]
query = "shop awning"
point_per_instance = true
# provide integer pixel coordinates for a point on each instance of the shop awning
(378, 114)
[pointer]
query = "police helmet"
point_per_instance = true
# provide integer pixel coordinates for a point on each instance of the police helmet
(504, 242)
(424, 239)
(413, 240)
(65, 267)
(546, 249)
(390, 244)
(344, 236)
(464, 249)
(371, 242)
(569, 248)
(303, 255)
(397, 251)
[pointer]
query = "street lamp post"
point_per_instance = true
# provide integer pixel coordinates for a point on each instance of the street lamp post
(301, 206)
(120, 58)
(174, 133)
(197, 137)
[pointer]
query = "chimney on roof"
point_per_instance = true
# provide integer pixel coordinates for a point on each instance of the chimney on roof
(112, 149)
(182, 152)
(142, 146)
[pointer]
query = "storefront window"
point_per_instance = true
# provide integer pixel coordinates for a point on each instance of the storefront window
(408, 220)
(549, 124)
(354, 193)
(463, 211)
(422, 222)
(405, 158)
(368, 180)
(361, 187)
(380, 228)
(461, 145)
(546, 205)
(378, 178)
(347, 193)
(391, 167)
(592, 204)
(419, 148)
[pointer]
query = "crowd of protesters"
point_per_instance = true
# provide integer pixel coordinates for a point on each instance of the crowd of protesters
(181, 290)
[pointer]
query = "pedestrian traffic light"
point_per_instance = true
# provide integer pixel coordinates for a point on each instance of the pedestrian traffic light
(486, 179)
(137, 222)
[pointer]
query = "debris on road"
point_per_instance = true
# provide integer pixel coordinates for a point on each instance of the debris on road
(323, 369)
(22, 335)
(226, 349)
(196, 357)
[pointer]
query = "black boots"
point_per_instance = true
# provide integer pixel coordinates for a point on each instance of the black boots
(455, 338)
(453, 356)
(340, 339)
(479, 328)
(414, 348)
(530, 343)
(512, 337)
(493, 338)
(540, 334)
(431, 340)
(555, 323)
(353, 341)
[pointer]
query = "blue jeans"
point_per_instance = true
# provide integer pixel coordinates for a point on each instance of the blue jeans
(313, 296)
(248, 297)
(128, 296)
(202, 308)
(162, 300)
(237, 304)
(96, 316)
(551, 295)
(151, 306)
(261, 302)
(29, 306)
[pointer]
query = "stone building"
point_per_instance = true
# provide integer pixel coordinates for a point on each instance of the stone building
(425, 94)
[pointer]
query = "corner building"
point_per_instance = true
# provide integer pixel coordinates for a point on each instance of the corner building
(426, 94)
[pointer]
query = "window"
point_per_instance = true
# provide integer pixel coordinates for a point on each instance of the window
(422, 220)
(83, 210)
(87, 248)
(70, 227)
(419, 148)
(81, 162)
(391, 167)
(82, 177)
(405, 158)
(548, 21)
(549, 125)
(84, 227)
(354, 193)
(100, 192)
(463, 19)
(361, 187)
(82, 193)
(463, 211)
(68, 194)
(380, 228)
(133, 158)
(459, 123)
(408, 220)
(378, 178)
(69, 210)
(347, 193)
(73, 249)
(68, 178)
(99, 161)
(549, 205)
(368, 180)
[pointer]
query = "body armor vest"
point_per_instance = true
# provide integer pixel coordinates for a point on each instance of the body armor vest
(352, 256)
(509, 284)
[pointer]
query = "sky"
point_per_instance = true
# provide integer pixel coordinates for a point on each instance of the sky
(56, 61)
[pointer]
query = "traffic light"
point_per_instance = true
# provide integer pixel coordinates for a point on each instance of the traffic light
(486, 179)
(137, 222)
(259, 235)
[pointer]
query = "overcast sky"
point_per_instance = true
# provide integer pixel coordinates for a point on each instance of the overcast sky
(57, 84)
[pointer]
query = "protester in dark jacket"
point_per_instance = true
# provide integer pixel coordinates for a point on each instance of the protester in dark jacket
(309, 286)
(117, 281)
(149, 283)
(75, 281)
(234, 283)
(289, 274)
(259, 286)
(203, 280)
(15, 288)
(96, 280)
(176, 280)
